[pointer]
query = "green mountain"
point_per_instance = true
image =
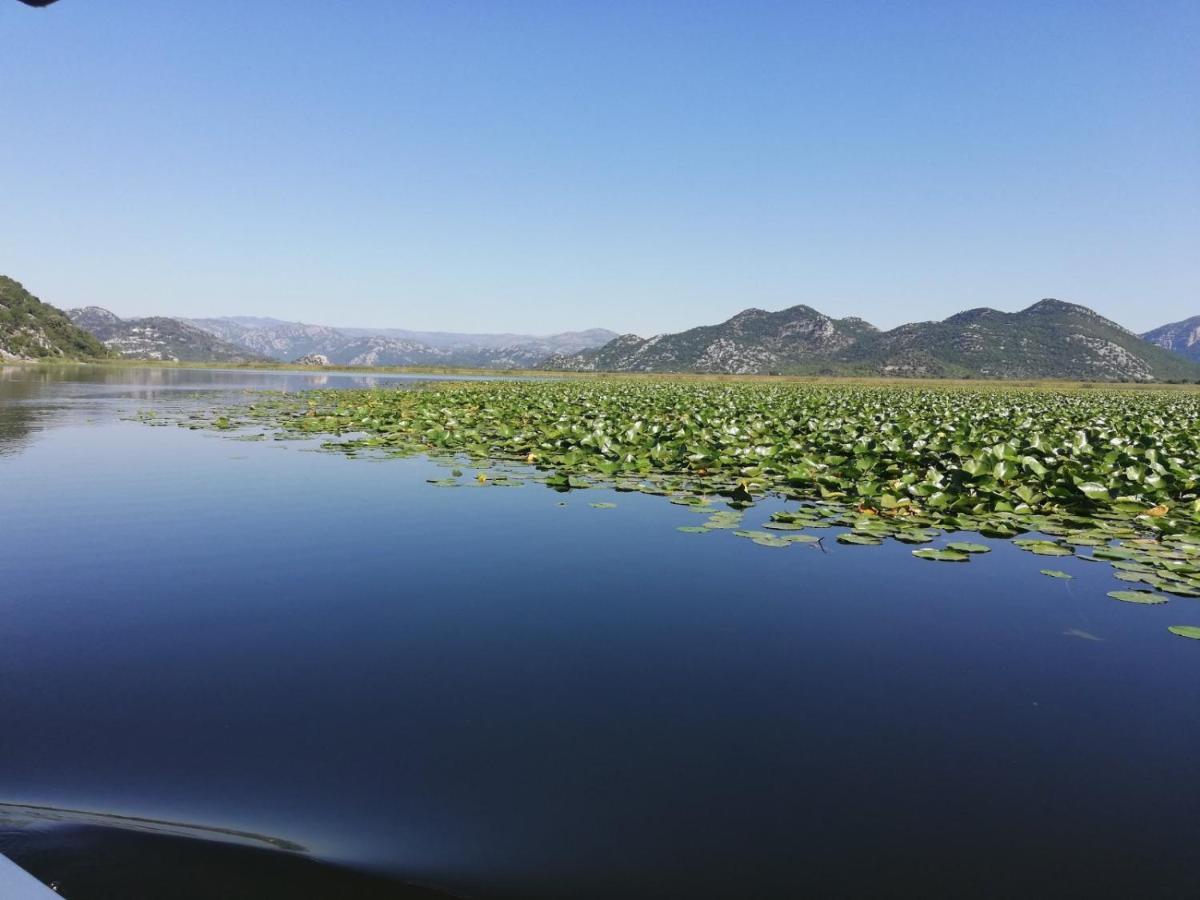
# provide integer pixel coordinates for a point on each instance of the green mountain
(1050, 339)
(753, 341)
(31, 329)
(159, 337)
(1182, 338)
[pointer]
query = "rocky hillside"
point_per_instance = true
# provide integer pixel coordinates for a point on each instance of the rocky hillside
(396, 347)
(753, 341)
(1182, 338)
(31, 329)
(158, 337)
(1050, 339)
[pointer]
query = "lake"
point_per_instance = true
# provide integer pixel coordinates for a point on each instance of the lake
(236, 668)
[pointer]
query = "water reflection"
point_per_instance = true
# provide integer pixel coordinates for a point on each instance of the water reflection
(17, 415)
(35, 397)
(87, 855)
(19, 816)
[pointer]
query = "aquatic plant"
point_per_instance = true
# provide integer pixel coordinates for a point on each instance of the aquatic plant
(1097, 475)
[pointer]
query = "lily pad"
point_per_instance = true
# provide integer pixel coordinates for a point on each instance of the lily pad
(1136, 577)
(1147, 598)
(603, 505)
(1187, 631)
(967, 547)
(915, 536)
(942, 555)
(719, 522)
(771, 541)
(865, 540)
(1179, 590)
(1056, 573)
(1044, 548)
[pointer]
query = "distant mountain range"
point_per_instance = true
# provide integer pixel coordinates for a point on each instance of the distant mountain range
(395, 347)
(31, 329)
(1050, 339)
(158, 337)
(1178, 337)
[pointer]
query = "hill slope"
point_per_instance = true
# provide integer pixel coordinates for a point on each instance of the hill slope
(31, 329)
(1050, 339)
(158, 337)
(1182, 338)
(753, 341)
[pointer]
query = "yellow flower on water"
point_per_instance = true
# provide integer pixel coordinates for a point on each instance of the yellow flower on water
(481, 478)
(1158, 511)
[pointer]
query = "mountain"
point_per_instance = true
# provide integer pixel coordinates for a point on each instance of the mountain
(1050, 339)
(158, 337)
(753, 341)
(1178, 337)
(396, 347)
(564, 342)
(31, 329)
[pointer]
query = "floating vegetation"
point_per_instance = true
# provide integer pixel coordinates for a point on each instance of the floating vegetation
(1056, 573)
(1147, 597)
(724, 519)
(865, 539)
(942, 555)
(1097, 475)
(1187, 631)
(1044, 548)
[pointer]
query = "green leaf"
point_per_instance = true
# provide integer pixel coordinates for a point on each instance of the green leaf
(915, 537)
(770, 541)
(1176, 588)
(1055, 573)
(863, 539)
(942, 555)
(966, 547)
(1187, 631)
(1148, 598)
(1045, 548)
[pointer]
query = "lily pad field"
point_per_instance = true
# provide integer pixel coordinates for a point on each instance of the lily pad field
(1104, 475)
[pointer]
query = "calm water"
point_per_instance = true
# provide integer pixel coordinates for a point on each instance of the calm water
(245, 669)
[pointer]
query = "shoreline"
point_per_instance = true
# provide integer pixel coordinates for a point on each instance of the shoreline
(865, 380)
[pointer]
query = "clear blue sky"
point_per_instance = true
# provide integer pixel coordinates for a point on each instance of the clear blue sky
(644, 166)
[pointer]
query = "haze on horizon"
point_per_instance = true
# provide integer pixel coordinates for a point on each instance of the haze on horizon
(544, 167)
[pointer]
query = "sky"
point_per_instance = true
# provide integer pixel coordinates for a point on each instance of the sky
(641, 166)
